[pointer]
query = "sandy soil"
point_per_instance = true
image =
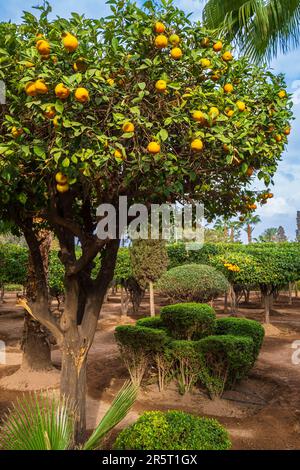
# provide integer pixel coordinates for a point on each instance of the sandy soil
(263, 412)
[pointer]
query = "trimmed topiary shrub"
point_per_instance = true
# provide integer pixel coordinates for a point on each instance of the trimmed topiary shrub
(173, 430)
(151, 322)
(225, 360)
(192, 283)
(138, 345)
(189, 320)
(187, 364)
(242, 327)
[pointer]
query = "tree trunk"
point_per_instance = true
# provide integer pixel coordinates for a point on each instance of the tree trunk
(233, 302)
(35, 342)
(152, 303)
(267, 308)
(226, 303)
(290, 293)
(124, 301)
(249, 233)
(232, 234)
(73, 386)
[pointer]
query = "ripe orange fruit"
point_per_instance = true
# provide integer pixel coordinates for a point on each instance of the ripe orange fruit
(228, 88)
(227, 56)
(217, 47)
(82, 95)
(287, 131)
(60, 178)
(110, 81)
(153, 147)
(128, 127)
(205, 63)
(230, 112)
(278, 138)
(161, 41)
(176, 53)
(41, 87)
(270, 195)
(118, 154)
(282, 94)
(80, 65)
(62, 188)
(197, 145)
(70, 42)
(159, 27)
(198, 116)
(241, 106)
(174, 39)
(56, 121)
(50, 112)
(16, 132)
(214, 112)
(30, 89)
(43, 47)
(62, 91)
(250, 171)
(161, 85)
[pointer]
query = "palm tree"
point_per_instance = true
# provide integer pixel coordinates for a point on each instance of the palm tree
(269, 235)
(249, 224)
(259, 28)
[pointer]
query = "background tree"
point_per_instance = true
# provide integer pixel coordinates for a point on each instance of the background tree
(269, 235)
(149, 259)
(249, 225)
(88, 120)
(261, 29)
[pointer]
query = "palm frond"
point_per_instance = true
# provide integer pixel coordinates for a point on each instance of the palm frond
(38, 422)
(117, 411)
(260, 28)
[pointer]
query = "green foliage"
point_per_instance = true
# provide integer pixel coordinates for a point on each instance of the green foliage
(13, 264)
(38, 422)
(189, 320)
(151, 322)
(186, 360)
(261, 29)
(44, 422)
(140, 338)
(192, 282)
(179, 255)
(56, 274)
(242, 327)
(123, 269)
(149, 260)
(116, 412)
(225, 360)
(173, 430)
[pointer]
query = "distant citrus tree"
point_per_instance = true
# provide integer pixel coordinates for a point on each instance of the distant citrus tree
(143, 103)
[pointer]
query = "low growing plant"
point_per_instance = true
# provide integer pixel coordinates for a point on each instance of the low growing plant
(173, 430)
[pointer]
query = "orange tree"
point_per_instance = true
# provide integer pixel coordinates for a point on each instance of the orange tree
(143, 103)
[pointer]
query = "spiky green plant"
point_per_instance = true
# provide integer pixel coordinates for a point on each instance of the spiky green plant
(116, 412)
(43, 422)
(260, 28)
(38, 422)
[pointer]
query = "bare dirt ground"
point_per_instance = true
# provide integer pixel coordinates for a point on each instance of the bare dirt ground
(263, 412)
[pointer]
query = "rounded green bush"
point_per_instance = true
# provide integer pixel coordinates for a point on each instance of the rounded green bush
(151, 322)
(173, 430)
(189, 320)
(192, 283)
(242, 327)
(139, 338)
(227, 358)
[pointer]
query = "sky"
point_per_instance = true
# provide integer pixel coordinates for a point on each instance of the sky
(283, 208)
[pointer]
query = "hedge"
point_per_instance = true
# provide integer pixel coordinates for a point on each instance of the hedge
(189, 320)
(173, 430)
(140, 338)
(226, 359)
(242, 327)
(192, 283)
(151, 322)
